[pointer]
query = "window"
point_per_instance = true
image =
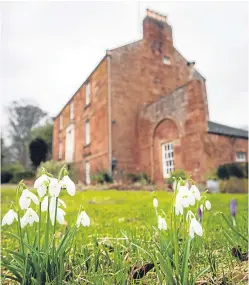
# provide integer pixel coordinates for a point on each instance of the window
(87, 132)
(60, 150)
(240, 156)
(72, 111)
(166, 60)
(61, 122)
(87, 173)
(88, 93)
(69, 148)
(167, 159)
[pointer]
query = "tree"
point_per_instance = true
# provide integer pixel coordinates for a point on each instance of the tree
(38, 150)
(23, 116)
(44, 132)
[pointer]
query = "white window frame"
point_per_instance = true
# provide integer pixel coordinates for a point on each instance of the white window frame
(166, 60)
(69, 145)
(60, 150)
(240, 156)
(61, 122)
(88, 93)
(168, 159)
(87, 172)
(87, 132)
(72, 110)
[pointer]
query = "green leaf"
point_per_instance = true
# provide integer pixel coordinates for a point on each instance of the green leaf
(184, 274)
(200, 273)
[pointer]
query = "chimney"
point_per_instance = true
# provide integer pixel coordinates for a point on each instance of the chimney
(157, 31)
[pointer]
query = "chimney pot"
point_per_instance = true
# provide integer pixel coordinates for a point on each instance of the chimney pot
(156, 16)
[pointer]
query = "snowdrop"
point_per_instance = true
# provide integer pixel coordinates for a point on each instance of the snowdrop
(59, 212)
(162, 225)
(83, 219)
(54, 187)
(184, 199)
(68, 184)
(195, 191)
(9, 217)
(44, 204)
(194, 226)
(208, 205)
(26, 198)
(29, 218)
(155, 202)
(42, 180)
(42, 190)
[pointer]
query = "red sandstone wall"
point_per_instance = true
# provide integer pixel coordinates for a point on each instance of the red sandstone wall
(222, 149)
(140, 77)
(96, 112)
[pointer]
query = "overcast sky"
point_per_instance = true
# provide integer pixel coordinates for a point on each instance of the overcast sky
(49, 48)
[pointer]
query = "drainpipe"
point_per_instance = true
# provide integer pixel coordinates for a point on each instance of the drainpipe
(109, 102)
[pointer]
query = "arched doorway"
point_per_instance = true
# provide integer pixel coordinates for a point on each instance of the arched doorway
(166, 149)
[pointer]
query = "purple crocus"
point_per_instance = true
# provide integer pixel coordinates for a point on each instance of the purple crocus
(233, 207)
(199, 214)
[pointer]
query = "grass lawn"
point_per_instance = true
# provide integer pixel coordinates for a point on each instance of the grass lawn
(120, 213)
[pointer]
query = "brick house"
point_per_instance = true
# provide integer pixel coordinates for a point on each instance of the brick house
(144, 109)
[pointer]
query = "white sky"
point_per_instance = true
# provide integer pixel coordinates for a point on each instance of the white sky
(49, 48)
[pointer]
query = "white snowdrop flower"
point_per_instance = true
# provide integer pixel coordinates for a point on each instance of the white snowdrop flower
(69, 185)
(189, 216)
(9, 217)
(54, 187)
(195, 228)
(59, 213)
(26, 198)
(162, 225)
(29, 218)
(195, 191)
(178, 208)
(155, 202)
(42, 190)
(184, 199)
(83, 219)
(208, 205)
(41, 181)
(44, 204)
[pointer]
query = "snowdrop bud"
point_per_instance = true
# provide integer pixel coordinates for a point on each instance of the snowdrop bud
(162, 225)
(195, 228)
(9, 217)
(155, 202)
(83, 219)
(208, 205)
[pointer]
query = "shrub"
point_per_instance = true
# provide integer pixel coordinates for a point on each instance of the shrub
(54, 167)
(101, 177)
(6, 176)
(228, 170)
(13, 168)
(18, 176)
(141, 177)
(177, 174)
(233, 185)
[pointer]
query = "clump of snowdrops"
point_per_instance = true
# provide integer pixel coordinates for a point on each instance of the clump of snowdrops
(176, 232)
(43, 256)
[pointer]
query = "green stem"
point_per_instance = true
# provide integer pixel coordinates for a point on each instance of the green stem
(20, 232)
(56, 204)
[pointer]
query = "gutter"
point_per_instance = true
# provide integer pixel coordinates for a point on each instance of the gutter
(109, 106)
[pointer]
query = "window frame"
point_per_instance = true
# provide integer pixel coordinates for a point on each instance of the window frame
(239, 158)
(60, 151)
(167, 158)
(166, 60)
(87, 132)
(88, 94)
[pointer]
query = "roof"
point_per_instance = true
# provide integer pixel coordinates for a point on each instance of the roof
(219, 129)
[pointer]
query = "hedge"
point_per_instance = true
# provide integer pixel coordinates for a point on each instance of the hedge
(239, 170)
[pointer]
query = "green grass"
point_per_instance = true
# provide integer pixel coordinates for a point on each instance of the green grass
(119, 213)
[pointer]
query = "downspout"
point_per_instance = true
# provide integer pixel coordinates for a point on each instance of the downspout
(109, 102)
